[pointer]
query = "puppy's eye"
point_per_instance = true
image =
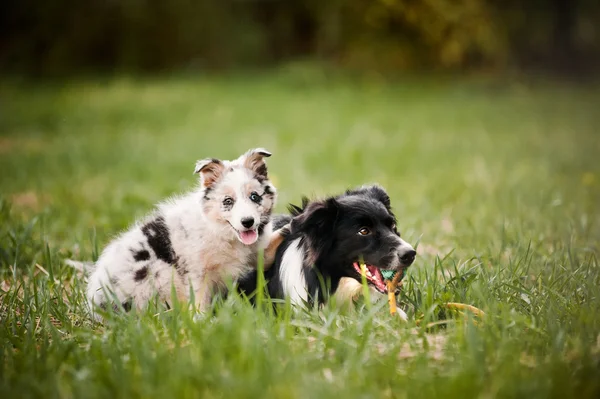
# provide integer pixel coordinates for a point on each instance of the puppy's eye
(364, 231)
(254, 197)
(228, 201)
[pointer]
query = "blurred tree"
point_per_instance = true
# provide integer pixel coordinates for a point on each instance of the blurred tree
(65, 36)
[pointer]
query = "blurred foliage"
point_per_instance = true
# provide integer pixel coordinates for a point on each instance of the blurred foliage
(63, 36)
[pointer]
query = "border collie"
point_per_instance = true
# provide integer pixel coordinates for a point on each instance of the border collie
(325, 242)
(195, 242)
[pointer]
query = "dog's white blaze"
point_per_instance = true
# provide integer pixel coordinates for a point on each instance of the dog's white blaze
(243, 207)
(291, 274)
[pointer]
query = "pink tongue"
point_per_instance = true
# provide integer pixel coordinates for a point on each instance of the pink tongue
(248, 237)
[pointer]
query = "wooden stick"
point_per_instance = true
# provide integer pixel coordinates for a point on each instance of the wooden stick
(392, 297)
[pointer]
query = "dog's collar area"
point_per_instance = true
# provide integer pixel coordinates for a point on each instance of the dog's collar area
(373, 276)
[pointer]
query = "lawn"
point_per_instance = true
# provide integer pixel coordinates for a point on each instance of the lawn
(497, 181)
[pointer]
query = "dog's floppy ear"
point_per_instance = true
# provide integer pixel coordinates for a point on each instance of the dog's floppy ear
(254, 160)
(210, 170)
(317, 217)
(315, 222)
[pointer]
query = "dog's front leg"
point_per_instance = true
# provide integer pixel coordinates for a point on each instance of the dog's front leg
(275, 241)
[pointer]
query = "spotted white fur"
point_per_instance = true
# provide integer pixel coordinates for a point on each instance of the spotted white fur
(191, 243)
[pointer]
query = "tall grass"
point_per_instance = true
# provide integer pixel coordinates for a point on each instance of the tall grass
(499, 185)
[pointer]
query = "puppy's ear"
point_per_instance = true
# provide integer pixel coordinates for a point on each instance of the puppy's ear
(254, 160)
(318, 217)
(210, 170)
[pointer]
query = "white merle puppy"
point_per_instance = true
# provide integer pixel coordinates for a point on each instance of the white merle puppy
(195, 242)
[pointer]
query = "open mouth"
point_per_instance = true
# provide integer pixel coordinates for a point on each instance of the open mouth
(248, 237)
(373, 276)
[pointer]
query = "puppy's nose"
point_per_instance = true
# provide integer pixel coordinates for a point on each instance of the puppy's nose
(247, 222)
(408, 257)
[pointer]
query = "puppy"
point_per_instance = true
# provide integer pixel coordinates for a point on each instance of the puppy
(195, 242)
(326, 241)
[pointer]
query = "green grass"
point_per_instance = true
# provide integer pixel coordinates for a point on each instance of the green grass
(498, 183)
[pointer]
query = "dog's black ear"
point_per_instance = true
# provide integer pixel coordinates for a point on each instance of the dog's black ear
(254, 160)
(210, 170)
(374, 191)
(296, 210)
(381, 195)
(318, 217)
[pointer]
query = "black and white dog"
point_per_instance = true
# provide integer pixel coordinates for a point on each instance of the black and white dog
(325, 242)
(195, 242)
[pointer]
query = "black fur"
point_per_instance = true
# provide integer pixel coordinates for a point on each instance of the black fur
(261, 172)
(182, 268)
(159, 239)
(207, 191)
(126, 306)
(261, 228)
(280, 220)
(328, 233)
(140, 255)
(141, 274)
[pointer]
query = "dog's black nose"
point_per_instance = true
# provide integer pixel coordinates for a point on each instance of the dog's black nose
(247, 222)
(408, 257)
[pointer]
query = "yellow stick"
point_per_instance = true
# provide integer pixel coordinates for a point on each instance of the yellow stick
(392, 297)
(391, 286)
(462, 306)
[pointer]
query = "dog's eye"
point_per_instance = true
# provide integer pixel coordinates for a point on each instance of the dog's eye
(364, 231)
(228, 201)
(254, 197)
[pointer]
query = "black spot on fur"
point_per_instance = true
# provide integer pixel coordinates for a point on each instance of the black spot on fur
(141, 255)
(159, 240)
(207, 191)
(227, 207)
(156, 274)
(261, 228)
(127, 305)
(141, 274)
(261, 171)
(114, 280)
(268, 190)
(185, 232)
(181, 267)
